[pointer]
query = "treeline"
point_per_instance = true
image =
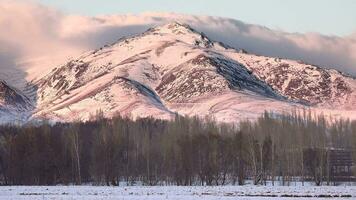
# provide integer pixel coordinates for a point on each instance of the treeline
(185, 151)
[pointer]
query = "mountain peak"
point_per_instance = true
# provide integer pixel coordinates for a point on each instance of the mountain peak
(182, 32)
(175, 27)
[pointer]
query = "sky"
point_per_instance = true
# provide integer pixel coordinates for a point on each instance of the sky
(329, 17)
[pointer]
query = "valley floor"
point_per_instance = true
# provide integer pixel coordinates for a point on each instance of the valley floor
(174, 192)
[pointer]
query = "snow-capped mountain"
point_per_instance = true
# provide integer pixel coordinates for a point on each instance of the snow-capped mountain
(174, 69)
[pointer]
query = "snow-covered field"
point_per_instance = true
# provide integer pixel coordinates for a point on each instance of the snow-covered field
(175, 192)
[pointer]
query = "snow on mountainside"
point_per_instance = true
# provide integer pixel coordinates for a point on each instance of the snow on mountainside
(174, 69)
(13, 104)
(298, 81)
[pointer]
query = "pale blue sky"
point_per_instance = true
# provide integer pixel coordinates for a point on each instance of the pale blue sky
(331, 17)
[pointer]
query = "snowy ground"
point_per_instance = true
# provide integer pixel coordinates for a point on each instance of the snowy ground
(175, 193)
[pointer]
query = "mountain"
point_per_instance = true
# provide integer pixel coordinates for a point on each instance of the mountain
(14, 105)
(174, 69)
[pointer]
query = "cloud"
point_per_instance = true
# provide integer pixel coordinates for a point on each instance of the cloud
(30, 31)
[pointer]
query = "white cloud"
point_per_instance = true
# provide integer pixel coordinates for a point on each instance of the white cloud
(32, 31)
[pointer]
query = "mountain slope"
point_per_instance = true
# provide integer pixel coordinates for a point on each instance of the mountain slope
(14, 106)
(174, 69)
(302, 82)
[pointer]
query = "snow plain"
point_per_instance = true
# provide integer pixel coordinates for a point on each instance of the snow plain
(247, 192)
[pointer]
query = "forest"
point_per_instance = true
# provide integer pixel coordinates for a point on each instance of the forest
(185, 151)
